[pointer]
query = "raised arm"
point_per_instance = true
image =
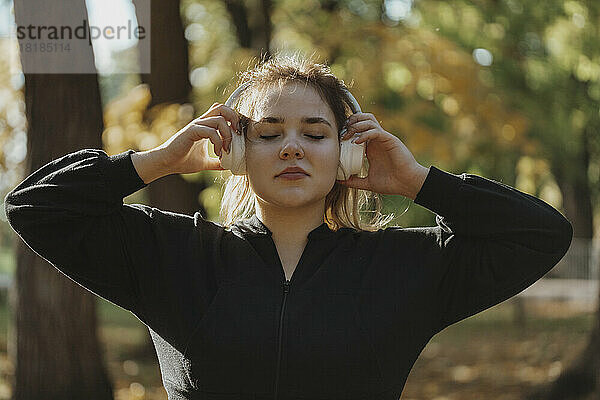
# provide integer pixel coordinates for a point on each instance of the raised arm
(490, 243)
(71, 213)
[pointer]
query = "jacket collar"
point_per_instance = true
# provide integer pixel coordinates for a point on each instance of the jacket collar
(253, 226)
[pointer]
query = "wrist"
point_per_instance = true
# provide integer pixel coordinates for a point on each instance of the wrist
(149, 165)
(415, 182)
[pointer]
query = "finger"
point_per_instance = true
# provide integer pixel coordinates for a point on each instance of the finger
(207, 132)
(356, 182)
(344, 134)
(360, 116)
(228, 113)
(226, 132)
(214, 164)
(361, 126)
(219, 122)
(206, 113)
(366, 135)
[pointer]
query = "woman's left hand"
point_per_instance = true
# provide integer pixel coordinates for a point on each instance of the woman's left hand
(392, 167)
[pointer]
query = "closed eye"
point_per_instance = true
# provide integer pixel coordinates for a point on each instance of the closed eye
(310, 136)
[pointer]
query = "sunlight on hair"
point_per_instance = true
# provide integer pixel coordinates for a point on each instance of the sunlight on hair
(344, 206)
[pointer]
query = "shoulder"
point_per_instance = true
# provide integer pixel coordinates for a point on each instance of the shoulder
(415, 237)
(171, 223)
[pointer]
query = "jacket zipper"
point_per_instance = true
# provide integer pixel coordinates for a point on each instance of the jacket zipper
(286, 290)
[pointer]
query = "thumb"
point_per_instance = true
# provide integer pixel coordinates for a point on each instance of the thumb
(356, 182)
(214, 164)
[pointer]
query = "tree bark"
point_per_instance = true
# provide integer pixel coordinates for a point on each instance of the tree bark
(239, 16)
(265, 28)
(54, 347)
(169, 68)
(169, 83)
(253, 26)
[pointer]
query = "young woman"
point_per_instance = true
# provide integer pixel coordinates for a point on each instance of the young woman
(293, 296)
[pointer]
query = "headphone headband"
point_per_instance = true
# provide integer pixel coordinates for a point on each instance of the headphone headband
(350, 100)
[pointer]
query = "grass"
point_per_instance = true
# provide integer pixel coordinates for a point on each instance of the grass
(489, 356)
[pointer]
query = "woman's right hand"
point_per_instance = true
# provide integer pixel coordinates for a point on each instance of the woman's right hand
(187, 150)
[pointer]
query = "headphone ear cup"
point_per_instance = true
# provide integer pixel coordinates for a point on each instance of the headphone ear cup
(235, 160)
(351, 159)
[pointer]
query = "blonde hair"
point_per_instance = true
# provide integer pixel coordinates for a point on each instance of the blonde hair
(343, 205)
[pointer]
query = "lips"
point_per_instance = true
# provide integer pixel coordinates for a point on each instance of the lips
(292, 176)
(291, 171)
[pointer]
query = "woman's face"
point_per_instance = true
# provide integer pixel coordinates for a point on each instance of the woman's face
(292, 127)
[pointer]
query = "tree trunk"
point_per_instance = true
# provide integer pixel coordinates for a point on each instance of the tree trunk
(264, 28)
(57, 351)
(55, 348)
(253, 26)
(575, 188)
(169, 68)
(169, 83)
(239, 16)
(582, 377)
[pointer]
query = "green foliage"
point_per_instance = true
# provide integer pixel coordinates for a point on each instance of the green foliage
(467, 86)
(7, 261)
(546, 64)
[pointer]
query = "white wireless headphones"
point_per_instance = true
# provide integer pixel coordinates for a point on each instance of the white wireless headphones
(351, 154)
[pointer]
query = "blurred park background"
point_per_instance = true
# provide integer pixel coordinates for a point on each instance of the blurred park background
(506, 89)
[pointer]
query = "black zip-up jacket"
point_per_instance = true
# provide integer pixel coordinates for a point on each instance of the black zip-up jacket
(226, 324)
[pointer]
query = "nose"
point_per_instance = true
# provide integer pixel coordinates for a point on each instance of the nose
(291, 149)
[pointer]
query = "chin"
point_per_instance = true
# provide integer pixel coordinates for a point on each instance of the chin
(293, 202)
(293, 199)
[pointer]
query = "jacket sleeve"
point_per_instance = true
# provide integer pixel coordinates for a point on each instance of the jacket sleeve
(492, 242)
(71, 213)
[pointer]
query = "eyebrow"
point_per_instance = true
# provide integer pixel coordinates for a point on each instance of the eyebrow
(305, 120)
